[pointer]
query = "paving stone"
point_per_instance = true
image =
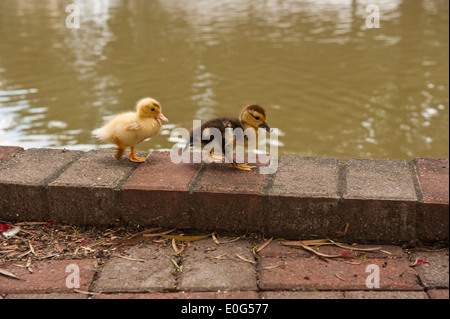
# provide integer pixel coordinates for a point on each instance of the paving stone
(156, 273)
(184, 295)
(302, 201)
(433, 176)
(23, 179)
(86, 193)
(158, 193)
(380, 195)
(385, 295)
(434, 273)
(8, 151)
(48, 296)
(315, 177)
(302, 295)
(47, 277)
(379, 179)
(438, 293)
(203, 272)
(277, 249)
(313, 273)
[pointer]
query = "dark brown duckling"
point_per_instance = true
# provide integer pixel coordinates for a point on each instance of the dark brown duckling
(252, 117)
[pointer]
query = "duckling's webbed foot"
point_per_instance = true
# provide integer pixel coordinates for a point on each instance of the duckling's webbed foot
(216, 158)
(120, 148)
(134, 158)
(242, 167)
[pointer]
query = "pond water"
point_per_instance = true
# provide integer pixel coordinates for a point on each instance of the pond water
(332, 85)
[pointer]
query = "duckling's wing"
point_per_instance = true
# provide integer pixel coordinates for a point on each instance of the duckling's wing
(133, 126)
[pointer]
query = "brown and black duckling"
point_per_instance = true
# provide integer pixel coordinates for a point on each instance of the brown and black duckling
(252, 117)
(131, 128)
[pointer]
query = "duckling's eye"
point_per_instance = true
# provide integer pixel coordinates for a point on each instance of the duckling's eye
(153, 109)
(256, 117)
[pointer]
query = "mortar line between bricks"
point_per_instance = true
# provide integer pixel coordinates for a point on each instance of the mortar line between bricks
(342, 180)
(197, 178)
(45, 198)
(10, 156)
(267, 184)
(416, 182)
(125, 179)
(45, 182)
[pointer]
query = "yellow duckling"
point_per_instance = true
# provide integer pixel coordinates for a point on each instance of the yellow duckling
(131, 128)
(252, 116)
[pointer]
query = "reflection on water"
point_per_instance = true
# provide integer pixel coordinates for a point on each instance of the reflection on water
(331, 85)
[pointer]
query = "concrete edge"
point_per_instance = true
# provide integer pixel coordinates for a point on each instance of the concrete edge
(305, 198)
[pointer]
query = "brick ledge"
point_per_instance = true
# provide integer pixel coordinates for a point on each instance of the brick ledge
(382, 201)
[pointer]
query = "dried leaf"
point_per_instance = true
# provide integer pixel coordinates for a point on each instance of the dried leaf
(224, 242)
(31, 248)
(174, 245)
(162, 234)
(151, 230)
(24, 254)
(7, 273)
(141, 236)
(176, 264)
(232, 240)
(215, 239)
(300, 243)
(185, 238)
(219, 256)
(339, 277)
(132, 259)
(418, 262)
(357, 248)
(316, 252)
(340, 233)
(353, 263)
(346, 229)
(271, 267)
(245, 259)
(264, 245)
(254, 252)
(179, 251)
(304, 244)
(175, 248)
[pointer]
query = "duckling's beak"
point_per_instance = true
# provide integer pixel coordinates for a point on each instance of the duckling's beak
(266, 127)
(161, 117)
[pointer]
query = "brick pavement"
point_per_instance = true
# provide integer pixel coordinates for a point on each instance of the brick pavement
(206, 270)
